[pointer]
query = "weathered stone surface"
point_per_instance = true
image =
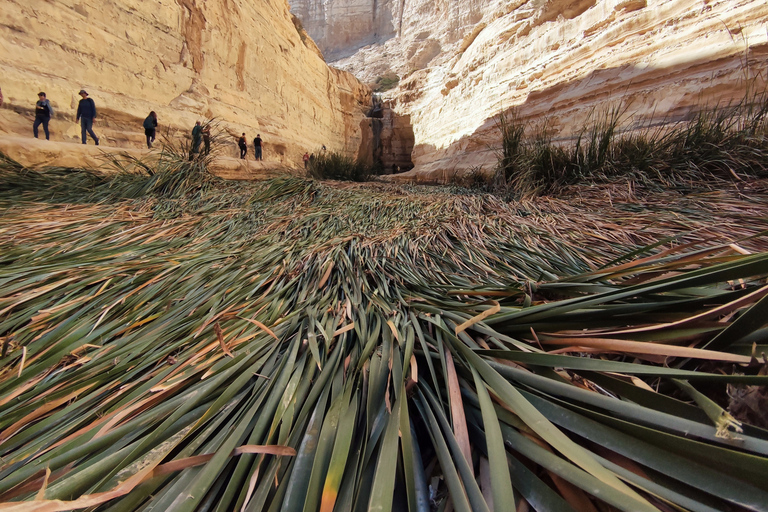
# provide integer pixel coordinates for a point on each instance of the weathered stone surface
(559, 60)
(343, 27)
(243, 63)
(42, 153)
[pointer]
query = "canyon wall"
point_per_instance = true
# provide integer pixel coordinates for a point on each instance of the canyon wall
(462, 63)
(247, 64)
(340, 28)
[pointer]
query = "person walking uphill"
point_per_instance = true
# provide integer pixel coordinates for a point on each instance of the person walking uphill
(257, 146)
(243, 146)
(43, 113)
(86, 113)
(150, 125)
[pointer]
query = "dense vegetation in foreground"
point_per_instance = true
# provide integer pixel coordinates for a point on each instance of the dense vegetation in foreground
(175, 342)
(716, 146)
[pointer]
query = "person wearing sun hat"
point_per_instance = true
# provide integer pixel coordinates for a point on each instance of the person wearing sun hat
(86, 113)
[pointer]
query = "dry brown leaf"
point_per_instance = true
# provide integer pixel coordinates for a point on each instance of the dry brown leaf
(479, 318)
(457, 409)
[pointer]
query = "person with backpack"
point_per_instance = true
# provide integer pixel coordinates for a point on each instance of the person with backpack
(150, 125)
(243, 146)
(43, 114)
(86, 113)
(257, 146)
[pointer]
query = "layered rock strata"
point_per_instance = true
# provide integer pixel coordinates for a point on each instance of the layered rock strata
(246, 64)
(462, 63)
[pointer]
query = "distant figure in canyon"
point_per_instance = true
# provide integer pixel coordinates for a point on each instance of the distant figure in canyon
(306, 160)
(43, 114)
(86, 113)
(243, 146)
(1, 97)
(257, 146)
(150, 125)
(207, 138)
(197, 133)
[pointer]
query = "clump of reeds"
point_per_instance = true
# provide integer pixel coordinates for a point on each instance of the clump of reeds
(718, 144)
(300, 345)
(330, 165)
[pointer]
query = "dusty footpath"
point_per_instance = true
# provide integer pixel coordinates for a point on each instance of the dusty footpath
(35, 153)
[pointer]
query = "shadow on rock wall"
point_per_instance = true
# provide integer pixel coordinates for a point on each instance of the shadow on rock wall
(649, 96)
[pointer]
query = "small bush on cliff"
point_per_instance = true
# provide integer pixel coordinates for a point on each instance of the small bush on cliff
(335, 166)
(386, 82)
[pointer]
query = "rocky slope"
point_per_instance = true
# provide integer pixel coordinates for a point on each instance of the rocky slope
(244, 63)
(461, 63)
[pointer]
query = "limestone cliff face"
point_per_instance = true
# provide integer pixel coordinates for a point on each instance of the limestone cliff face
(462, 63)
(244, 63)
(343, 27)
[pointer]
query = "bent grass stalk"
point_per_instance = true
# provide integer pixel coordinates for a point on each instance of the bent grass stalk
(193, 344)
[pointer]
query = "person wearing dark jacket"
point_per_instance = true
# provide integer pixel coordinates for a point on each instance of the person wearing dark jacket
(197, 138)
(86, 113)
(257, 146)
(43, 113)
(150, 125)
(243, 146)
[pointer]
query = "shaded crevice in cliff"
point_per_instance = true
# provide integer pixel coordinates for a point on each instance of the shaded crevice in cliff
(392, 137)
(192, 27)
(240, 67)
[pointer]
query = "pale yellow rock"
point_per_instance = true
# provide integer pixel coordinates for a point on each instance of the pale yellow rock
(244, 63)
(38, 153)
(555, 59)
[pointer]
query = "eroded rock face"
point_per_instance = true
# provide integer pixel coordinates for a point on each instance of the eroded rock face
(462, 63)
(343, 27)
(244, 63)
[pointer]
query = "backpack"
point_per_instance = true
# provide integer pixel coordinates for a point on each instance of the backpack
(148, 124)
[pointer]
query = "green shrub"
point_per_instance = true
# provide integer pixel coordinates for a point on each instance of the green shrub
(716, 144)
(386, 82)
(335, 166)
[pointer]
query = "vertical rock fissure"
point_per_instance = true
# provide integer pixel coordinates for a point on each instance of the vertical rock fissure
(192, 29)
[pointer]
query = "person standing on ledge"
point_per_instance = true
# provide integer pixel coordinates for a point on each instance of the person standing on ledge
(86, 113)
(197, 138)
(243, 146)
(207, 138)
(150, 125)
(257, 146)
(43, 113)
(306, 160)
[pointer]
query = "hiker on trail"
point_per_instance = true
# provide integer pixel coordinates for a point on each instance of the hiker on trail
(86, 113)
(43, 114)
(257, 146)
(306, 159)
(150, 125)
(243, 146)
(197, 136)
(207, 138)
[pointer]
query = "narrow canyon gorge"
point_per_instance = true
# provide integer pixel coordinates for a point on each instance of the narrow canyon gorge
(460, 64)
(446, 70)
(248, 65)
